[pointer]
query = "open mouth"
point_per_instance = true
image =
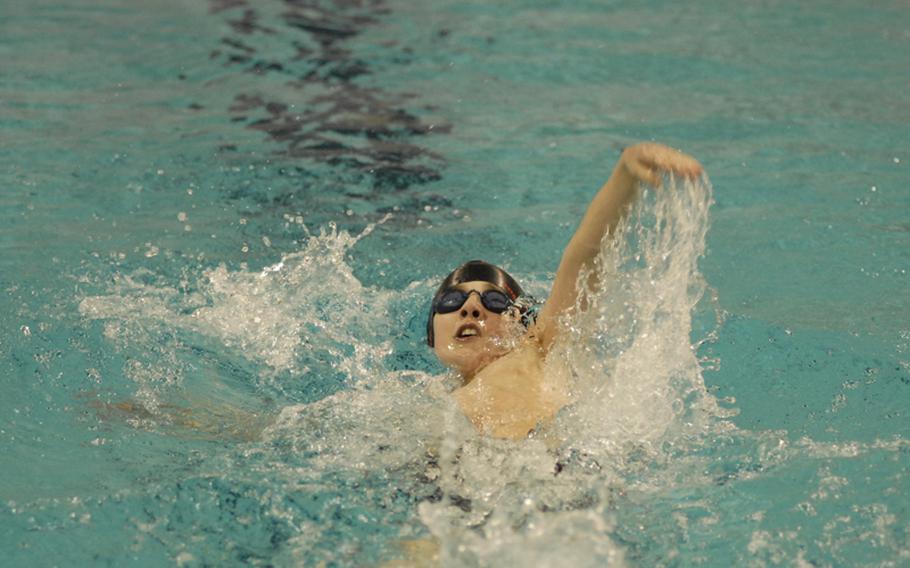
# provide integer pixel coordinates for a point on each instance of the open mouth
(467, 331)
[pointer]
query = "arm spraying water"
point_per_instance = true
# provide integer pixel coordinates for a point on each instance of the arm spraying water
(642, 163)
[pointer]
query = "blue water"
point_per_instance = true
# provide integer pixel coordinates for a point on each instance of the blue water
(220, 223)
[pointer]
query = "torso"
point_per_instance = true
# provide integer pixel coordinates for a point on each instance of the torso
(512, 395)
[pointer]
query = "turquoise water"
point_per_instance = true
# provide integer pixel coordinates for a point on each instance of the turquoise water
(221, 223)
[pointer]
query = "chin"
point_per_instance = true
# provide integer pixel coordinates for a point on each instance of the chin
(465, 361)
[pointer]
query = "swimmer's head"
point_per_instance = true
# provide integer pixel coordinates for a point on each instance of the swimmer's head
(471, 316)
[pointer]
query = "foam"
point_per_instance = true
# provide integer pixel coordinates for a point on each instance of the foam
(286, 316)
(637, 386)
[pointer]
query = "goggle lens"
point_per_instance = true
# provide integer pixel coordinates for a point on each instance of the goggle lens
(452, 300)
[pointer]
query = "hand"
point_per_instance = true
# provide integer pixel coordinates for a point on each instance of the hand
(647, 162)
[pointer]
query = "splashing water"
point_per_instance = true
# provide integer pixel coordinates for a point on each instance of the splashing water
(638, 390)
(304, 316)
(637, 387)
(630, 346)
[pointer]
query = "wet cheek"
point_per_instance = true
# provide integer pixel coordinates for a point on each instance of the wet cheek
(442, 330)
(445, 340)
(492, 326)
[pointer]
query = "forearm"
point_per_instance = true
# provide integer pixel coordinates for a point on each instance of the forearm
(602, 216)
(645, 163)
(604, 213)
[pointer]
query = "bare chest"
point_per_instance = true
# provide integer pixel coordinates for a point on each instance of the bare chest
(512, 395)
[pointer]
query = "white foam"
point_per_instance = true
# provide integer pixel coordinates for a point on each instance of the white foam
(638, 390)
(306, 308)
(392, 421)
(631, 348)
(637, 383)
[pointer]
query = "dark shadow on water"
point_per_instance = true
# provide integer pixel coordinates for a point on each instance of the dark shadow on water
(365, 136)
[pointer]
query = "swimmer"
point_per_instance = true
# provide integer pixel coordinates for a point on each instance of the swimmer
(504, 391)
(481, 325)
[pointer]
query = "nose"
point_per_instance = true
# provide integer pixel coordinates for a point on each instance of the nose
(472, 306)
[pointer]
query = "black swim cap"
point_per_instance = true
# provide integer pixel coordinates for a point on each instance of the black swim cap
(469, 272)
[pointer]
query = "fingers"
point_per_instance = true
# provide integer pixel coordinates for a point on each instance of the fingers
(683, 165)
(650, 161)
(645, 171)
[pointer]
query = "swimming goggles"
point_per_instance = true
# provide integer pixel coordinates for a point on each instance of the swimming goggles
(453, 298)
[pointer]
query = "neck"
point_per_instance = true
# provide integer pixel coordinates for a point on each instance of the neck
(468, 375)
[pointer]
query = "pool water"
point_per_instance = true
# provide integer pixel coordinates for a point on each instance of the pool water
(221, 223)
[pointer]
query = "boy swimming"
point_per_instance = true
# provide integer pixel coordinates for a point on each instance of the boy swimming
(481, 325)
(477, 308)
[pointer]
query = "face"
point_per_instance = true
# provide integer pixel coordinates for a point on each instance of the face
(471, 337)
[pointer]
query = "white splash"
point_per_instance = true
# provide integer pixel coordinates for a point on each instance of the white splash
(639, 380)
(307, 309)
(637, 384)
(638, 389)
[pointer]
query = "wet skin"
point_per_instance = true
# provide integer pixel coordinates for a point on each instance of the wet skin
(471, 337)
(505, 392)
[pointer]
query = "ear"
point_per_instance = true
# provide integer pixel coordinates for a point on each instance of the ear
(527, 313)
(514, 313)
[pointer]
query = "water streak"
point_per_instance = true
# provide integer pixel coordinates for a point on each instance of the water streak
(638, 396)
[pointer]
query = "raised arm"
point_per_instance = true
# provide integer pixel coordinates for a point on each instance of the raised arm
(646, 163)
